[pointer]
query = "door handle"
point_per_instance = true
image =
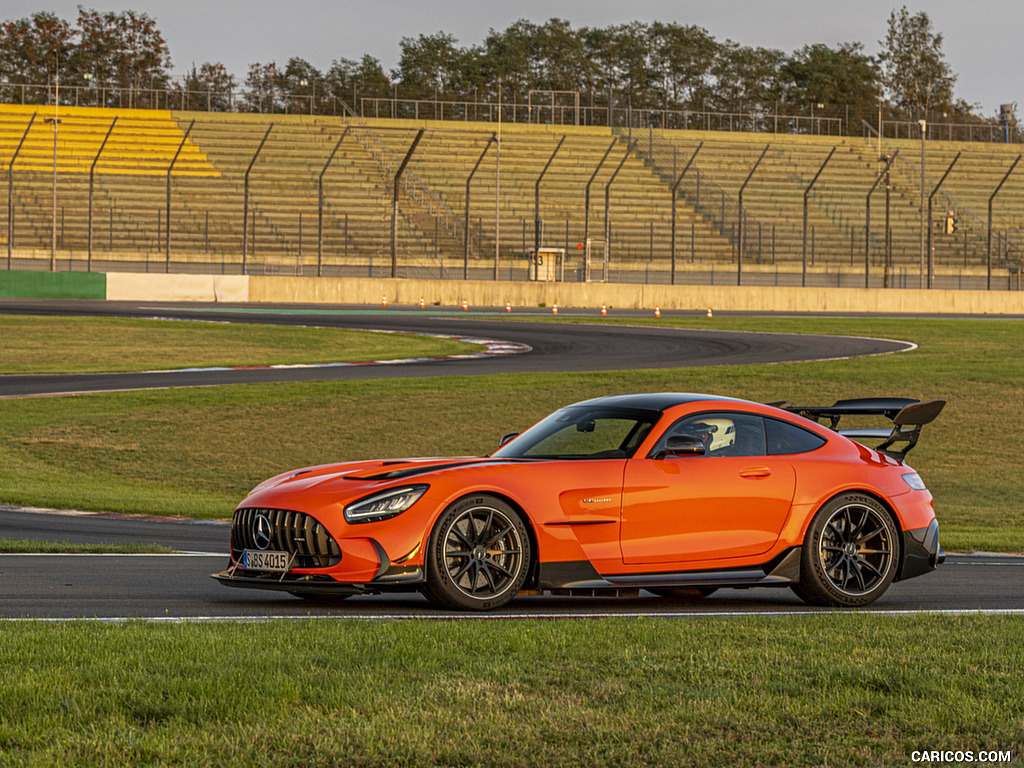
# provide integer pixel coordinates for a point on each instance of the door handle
(755, 472)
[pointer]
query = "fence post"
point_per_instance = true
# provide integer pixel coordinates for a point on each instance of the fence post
(320, 208)
(989, 248)
(170, 168)
(465, 243)
(867, 219)
(92, 172)
(245, 199)
(931, 256)
(10, 188)
(607, 211)
(586, 213)
(675, 188)
(536, 199)
(739, 218)
(807, 192)
(394, 202)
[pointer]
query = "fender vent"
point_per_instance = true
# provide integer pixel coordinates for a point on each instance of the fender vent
(293, 532)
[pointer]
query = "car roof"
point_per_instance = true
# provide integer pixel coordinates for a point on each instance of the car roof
(655, 401)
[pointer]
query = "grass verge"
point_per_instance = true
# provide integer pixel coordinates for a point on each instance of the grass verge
(42, 344)
(843, 690)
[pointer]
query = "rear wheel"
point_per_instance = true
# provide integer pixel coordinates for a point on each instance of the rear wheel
(479, 555)
(850, 553)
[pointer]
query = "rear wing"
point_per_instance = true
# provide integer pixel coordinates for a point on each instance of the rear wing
(907, 417)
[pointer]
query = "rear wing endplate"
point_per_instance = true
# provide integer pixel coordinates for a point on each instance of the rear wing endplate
(907, 417)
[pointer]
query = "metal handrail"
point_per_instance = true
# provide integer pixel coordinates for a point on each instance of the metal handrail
(911, 173)
(697, 191)
(412, 185)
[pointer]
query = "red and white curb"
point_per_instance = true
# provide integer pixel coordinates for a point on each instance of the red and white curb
(492, 348)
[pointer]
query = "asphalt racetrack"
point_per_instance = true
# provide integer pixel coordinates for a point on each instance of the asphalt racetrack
(178, 586)
(546, 346)
(173, 587)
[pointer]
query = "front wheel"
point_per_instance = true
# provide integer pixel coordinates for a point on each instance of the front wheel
(479, 555)
(850, 553)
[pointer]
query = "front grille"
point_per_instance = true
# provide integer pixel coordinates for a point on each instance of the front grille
(293, 532)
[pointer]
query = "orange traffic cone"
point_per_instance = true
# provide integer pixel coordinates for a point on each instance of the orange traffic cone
(465, 305)
(657, 311)
(604, 310)
(508, 306)
(383, 301)
(709, 312)
(423, 304)
(554, 309)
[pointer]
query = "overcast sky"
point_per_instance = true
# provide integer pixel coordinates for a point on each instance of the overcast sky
(983, 40)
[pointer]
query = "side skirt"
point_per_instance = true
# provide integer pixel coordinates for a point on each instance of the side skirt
(780, 571)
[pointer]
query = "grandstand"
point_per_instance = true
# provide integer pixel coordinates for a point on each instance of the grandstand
(773, 201)
(217, 192)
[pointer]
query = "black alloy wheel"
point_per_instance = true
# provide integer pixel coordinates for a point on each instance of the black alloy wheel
(479, 555)
(850, 553)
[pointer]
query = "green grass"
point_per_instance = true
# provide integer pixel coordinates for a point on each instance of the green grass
(840, 690)
(31, 546)
(198, 451)
(40, 344)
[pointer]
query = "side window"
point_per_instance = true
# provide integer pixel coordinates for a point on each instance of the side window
(784, 438)
(724, 433)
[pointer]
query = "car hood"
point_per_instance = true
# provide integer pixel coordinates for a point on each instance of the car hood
(350, 479)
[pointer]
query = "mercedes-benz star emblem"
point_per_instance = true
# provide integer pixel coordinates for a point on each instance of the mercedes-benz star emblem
(261, 531)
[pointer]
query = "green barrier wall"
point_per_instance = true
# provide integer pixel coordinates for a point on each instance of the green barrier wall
(53, 285)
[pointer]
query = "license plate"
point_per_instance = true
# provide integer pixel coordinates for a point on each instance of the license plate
(255, 560)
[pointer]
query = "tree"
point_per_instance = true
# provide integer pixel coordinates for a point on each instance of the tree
(511, 55)
(817, 74)
(32, 49)
(428, 66)
(209, 87)
(263, 88)
(746, 79)
(563, 62)
(303, 84)
(627, 57)
(347, 80)
(124, 51)
(681, 60)
(914, 69)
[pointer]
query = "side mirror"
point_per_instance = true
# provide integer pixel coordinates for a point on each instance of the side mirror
(682, 445)
(508, 438)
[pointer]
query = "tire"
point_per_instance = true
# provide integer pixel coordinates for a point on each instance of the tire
(850, 553)
(677, 593)
(479, 555)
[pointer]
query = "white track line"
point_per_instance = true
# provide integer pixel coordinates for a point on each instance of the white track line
(113, 554)
(521, 617)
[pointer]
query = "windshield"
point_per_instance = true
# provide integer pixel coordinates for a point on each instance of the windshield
(582, 432)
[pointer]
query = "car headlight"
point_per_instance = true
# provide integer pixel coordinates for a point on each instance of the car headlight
(914, 481)
(381, 506)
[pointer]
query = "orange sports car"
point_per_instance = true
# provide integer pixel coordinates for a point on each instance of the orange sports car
(672, 493)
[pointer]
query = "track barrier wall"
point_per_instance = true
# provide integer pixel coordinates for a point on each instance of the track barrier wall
(371, 291)
(53, 285)
(125, 286)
